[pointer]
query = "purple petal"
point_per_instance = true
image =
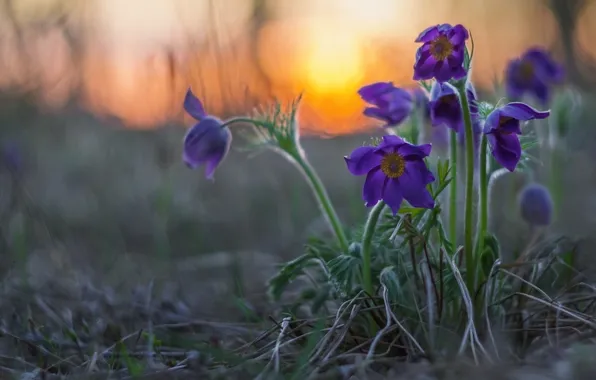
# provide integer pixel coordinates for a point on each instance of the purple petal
(193, 106)
(410, 152)
(420, 198)
(491, 123)
(545, 64)
(378, 113)
(523, 112)
(443, 71)
(459, 34)
(428, 34)
(362, 160)
(370, 92)
(423, 69)
(417, 174)
(390, 141)
(392, 195)
(506, 149)
(372, 191)
(206, 143)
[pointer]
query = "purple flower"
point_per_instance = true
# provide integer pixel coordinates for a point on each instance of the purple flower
(534, 72)
(442, 53)
(395, 170)
(392, 104)
(536, 205)
(445, 107)
(502, 127)
(206, 142)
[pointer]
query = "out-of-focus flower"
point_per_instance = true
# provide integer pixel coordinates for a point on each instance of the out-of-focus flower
(502, 127)
(421, 103)
(534, 72)
(445, 107)
(207, 142)
(391, 104)
(11, 157)
(536, 205)
(395, 170)
(442, 53)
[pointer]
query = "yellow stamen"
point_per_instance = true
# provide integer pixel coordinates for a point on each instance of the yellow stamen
(393, 165)
(441, 48)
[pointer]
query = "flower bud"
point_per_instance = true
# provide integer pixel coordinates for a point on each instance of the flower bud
(536, 205)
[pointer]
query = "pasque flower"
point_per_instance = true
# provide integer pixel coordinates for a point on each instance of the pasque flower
(208, 141)
(442, 53)
(536, 205)
(395, 170)
(533, 73)
(445, 108)
(391, 104)
(502, 128)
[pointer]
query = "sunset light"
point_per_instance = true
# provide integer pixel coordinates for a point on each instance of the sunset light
(333, 63)
(139, 55)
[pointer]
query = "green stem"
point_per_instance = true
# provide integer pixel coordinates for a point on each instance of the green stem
(483, 216)
(369, 230)
(469, 211)
(453, 190)
(323, 200)
(314, 181)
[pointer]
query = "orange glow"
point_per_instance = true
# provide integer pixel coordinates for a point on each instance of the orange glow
(326, 49)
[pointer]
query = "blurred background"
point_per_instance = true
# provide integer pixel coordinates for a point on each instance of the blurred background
(91, 117)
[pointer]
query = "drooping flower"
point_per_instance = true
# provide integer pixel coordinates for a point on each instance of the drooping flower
(395, 170)
(207, 142)
(536, 205)
(445, 106)
(534, 73)
(442, 53)
(391, 104)
(502, 127)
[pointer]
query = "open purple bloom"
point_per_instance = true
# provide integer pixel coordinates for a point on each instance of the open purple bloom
(206, 142)
(445, 107)
(502, 127)
(391, 104)
(442, 53)
(395, 170)
(536, 205)
(534, 73)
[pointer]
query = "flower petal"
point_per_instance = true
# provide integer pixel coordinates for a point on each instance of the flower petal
(506, 149)
(193, 106)
(392, 195)
(370, 92)
(522, 111)
(411, 152)
(362, 160)
(428, 34)
(372, 192)
(459, 34)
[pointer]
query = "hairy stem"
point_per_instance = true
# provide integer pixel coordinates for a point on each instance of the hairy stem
(468, 213)
(453, 190)
(324, 201)
(369, 231)
(483, 209)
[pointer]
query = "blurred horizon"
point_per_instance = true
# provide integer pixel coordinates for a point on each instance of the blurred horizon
(134, 59)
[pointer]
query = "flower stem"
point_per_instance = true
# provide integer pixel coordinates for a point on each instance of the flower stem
(369, 230)
(313, 179)
(469, 199)
(453, 190)
(483, 213)
(323, 200)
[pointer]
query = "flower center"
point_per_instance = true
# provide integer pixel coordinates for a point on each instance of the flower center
(503, 120)
(393, 165)
(441, 48)
(526, 70)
